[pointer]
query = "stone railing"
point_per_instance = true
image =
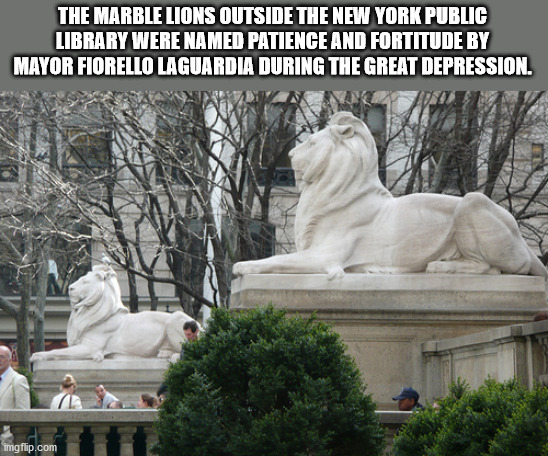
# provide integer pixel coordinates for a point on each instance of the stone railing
(91, 431)
(514, 351)
(76, 424)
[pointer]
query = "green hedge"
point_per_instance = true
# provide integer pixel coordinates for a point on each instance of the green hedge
(34, 399)
(258, 383)
(497, 419)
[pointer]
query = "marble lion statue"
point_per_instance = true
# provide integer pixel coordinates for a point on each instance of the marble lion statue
(101, 326)
(347, 221)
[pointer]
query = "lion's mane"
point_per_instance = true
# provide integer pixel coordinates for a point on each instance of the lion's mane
(348, 171)
(100, 304)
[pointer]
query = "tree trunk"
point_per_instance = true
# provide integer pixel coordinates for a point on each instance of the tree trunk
(22, 319)
(40, 305)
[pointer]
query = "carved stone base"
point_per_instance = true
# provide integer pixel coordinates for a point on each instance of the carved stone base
(126, 378)
(384, 319)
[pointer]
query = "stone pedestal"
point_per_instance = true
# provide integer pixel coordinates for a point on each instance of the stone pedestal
(384, 319)
(126, 378)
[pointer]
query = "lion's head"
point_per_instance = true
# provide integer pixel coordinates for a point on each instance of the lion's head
(94, 298)
(333, 168)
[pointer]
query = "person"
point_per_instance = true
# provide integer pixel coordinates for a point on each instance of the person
(408, 400)
(191, 331)
(145, 401)
(53, 276)
(161, 393)
(66, 399)
(116, 405)
(14, 393)
(104, 398)
(14, 387)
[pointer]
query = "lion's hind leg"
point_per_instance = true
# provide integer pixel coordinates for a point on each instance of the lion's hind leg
(489, 235)
(461, 267)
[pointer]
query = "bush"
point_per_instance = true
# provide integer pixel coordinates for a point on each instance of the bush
(258, 383)
(497, 419)
(34, 399)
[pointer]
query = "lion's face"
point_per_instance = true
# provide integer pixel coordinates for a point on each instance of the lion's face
(310, 158)
(90, 288)
(344, 148)
(92, 285)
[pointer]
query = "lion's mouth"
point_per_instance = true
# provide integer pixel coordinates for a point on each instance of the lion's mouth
(74, 299)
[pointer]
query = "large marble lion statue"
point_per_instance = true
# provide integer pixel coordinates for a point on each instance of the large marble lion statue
(347, 221)
(101, 326)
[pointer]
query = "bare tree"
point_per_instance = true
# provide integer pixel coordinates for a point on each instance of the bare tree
(177, 186)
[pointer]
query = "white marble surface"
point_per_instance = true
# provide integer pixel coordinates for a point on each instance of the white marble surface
(385, 319)
(417, 282)
(347, 221)
(100, 326)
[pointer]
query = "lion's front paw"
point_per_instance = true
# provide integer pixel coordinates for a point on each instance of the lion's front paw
(98, 357)
(237, 270)
(37, 357)
(241, 268)
(335, 273)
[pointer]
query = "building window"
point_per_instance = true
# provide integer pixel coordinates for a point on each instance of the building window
(441, 133)
(449, 162)
(87, 151)
(174, 136)
(374, 116)
(274, 132)
(537, 157)
(73, 254)
(9, 167)
(264, 244)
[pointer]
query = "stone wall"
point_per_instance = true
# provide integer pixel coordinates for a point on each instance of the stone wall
(385, 319)
(519, 351)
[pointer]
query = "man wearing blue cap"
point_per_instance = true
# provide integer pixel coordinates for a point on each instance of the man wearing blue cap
(408, 400)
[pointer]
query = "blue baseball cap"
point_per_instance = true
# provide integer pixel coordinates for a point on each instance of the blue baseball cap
(407, 393)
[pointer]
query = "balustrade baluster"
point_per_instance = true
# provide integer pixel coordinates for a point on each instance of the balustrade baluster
(20, 433)
(47, 439)
(151, 437)
(73, 439)
(100, 440)
(126, 439)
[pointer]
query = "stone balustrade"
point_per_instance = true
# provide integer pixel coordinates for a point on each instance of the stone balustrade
(76, 424)
(99, 423)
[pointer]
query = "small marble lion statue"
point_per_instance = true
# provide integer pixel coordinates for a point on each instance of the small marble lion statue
(101, 326)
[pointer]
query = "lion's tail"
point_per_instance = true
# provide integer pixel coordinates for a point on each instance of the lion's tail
(537, 268)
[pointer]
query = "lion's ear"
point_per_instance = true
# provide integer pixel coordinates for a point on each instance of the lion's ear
(342, 131)
(101, 275)
(109, 274)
